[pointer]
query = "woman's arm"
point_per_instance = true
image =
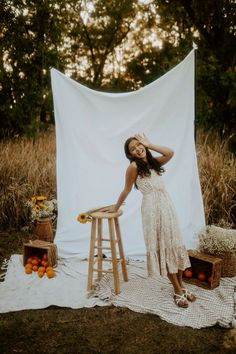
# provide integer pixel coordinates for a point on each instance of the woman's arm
(130, 178)
(166, 152)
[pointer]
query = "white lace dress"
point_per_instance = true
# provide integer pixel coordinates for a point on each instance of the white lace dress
(165, 250)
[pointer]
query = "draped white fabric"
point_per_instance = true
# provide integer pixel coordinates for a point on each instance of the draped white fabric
(91, 128)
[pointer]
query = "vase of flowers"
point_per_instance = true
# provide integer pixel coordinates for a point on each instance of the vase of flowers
(43, 212)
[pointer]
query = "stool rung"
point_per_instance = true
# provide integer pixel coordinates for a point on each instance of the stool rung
(102, 270)
(110, 259)
(102, 248)
(106, 239)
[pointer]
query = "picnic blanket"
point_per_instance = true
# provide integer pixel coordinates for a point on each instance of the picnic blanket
(20, 291)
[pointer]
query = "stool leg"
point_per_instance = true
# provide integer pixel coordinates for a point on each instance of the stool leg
(99, 244)
(121, 250)
(91, 255)
(113, 256)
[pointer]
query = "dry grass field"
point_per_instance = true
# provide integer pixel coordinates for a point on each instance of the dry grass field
(27, 168)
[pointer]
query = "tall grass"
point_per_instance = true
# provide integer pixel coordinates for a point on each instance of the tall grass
(217, 169)
(27, 168)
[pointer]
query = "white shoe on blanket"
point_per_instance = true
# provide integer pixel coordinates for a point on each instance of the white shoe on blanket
(180, 300)
(188, 295)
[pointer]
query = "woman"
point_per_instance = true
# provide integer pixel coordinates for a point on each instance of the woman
(166, 254)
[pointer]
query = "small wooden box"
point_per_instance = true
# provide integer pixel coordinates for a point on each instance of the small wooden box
(39, 248)
(210, 265)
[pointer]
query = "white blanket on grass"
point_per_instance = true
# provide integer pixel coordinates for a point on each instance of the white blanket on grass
(20, 291)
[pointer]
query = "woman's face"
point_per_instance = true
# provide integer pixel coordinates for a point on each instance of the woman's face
(136, 149)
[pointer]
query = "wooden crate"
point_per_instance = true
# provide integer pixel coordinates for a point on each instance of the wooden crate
(210, 265)
(39, 248)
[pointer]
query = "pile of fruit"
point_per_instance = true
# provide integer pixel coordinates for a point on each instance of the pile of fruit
(202, 276)
(39, 265)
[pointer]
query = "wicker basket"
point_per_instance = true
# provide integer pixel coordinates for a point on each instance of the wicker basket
(228, 263)
(43, 230)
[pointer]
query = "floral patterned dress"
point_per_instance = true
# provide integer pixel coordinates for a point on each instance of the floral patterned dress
(165, 250)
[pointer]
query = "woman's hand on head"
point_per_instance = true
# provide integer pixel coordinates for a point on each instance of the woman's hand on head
(142, 139)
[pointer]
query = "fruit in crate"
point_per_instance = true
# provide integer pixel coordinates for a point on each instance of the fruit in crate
(39, 265)
(40, 274)
(28, 270)
(201, 276)
(188, 273)
(209, 279)
(50, 273)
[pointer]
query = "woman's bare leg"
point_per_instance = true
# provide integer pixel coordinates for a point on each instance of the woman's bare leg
(180, 277)
(188, 294)
(175, 282)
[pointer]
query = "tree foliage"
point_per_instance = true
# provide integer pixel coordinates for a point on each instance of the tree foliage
(117, 45)
(214, 23)
(30, 35)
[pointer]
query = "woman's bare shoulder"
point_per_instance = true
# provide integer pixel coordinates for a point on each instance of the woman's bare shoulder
(132, 169)
(133, 166)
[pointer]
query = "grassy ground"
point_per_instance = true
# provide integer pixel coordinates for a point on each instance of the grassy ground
(100, 330)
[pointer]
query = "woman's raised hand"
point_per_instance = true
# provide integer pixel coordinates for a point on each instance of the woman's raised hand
(142, 139)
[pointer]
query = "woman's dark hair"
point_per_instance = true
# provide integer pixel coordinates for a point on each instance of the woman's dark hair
(143, 167)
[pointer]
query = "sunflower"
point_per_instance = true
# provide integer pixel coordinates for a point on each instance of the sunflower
(40, 198)
(83, 218)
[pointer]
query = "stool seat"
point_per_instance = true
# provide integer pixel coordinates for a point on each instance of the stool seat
(113, 244)
(105, 214)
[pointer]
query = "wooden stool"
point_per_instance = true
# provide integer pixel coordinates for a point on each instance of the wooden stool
(96, 243)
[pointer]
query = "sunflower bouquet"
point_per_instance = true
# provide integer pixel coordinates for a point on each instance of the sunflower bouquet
(41, 207)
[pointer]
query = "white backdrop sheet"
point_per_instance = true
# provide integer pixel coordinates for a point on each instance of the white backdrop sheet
(91, 128)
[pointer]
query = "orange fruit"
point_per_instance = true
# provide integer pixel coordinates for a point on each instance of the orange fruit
(35, 268)
(201, 276)
(35, 261)
(50, 273)
(28, 265)
(44, 263)
(42, 269)
(49, 268)
(188, 273)
(29, 260)
(209, 279)
(40, 274)
(28, 270)
(45, 257)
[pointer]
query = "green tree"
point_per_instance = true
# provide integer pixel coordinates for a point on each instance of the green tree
(96, 30)
(30, 37)
(212, 22)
